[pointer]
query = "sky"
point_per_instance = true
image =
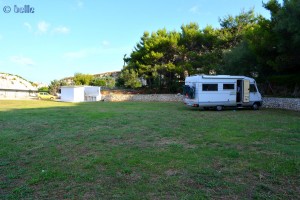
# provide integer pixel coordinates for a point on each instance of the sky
(61, 38)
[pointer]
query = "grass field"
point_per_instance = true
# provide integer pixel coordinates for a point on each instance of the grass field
(129, 150)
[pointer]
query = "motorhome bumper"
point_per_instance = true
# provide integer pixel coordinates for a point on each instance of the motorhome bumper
(192, 104)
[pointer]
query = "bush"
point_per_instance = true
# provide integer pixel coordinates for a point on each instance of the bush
(43, 89)
(282, 85)
(98, 82)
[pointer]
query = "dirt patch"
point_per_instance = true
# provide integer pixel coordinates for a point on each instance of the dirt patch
(166, 142)
(172, 172)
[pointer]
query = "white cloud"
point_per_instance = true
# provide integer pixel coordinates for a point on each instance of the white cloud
(43, 27)
(28, 26)
(21, 60)
(195, 10)
(61, 29)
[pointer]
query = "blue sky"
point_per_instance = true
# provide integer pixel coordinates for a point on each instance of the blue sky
(65, 37)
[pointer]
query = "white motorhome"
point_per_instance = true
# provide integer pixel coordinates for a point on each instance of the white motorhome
(218, 91)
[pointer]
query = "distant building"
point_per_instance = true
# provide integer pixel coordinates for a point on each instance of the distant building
(15, 87)
(17, 94)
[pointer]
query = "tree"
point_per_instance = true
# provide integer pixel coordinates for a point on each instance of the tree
(110, 82)
(55, 86)
(105, 81)
(161, 58)
(202, 52)
(285, 20)
(98, 82)
(245, 44)
(82, 79)
(240, 61)
(270, 49)
(233, 28)
(154, 58)
(130, 78)
(43, 89)
(254, 55)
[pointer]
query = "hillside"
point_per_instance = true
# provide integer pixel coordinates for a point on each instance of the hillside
(14, 82)
(113, 74)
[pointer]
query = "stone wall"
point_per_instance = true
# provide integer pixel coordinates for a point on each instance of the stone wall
(268, 102)
(143, 97)
(283, 103)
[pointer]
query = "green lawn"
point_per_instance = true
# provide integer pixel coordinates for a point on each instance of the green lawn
(130, 150)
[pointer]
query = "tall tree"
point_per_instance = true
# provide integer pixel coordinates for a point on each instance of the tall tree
(154, 56)
(55, 86)
(253, 55)
(241, 60)
(286, 26)
(201, 49)
(233, 28)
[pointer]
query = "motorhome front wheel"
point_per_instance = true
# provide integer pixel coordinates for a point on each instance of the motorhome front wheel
(219, 108)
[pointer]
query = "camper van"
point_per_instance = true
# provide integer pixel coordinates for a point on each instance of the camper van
(219, 91)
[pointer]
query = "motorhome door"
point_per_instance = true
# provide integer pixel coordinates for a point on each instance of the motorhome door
(246, 91)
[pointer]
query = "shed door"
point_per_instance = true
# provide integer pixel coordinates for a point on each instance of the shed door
(246, 91)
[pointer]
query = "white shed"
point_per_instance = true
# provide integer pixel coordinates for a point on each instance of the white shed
(80, 93)
(92, 93)
(72, 93)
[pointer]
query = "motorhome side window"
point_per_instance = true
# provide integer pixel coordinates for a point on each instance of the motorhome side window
(252, 88)
(228, 86)
(209, 87)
